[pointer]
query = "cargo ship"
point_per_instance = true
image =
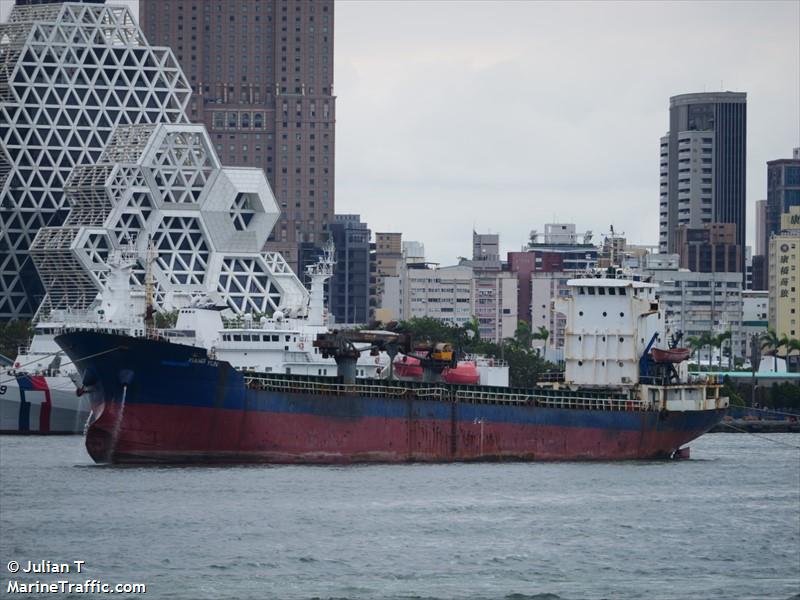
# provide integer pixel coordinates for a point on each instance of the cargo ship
(166, 402)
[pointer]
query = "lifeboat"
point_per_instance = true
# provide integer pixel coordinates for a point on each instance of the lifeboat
(408, 366)
(673, 355)
(464, 372)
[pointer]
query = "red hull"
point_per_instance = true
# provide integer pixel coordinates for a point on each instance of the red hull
(177, 434)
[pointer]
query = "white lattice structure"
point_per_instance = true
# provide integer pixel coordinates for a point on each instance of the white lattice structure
(162, 186)
(69, 74)
(135, 170)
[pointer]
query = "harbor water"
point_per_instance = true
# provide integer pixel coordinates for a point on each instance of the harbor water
(724, 524)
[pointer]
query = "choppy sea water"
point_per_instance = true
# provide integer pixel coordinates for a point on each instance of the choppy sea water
(725, 524)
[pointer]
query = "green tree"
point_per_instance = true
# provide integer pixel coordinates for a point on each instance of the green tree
(166, 320)
(730, 390)
(523, 336)
(14, 334)
(542, 334)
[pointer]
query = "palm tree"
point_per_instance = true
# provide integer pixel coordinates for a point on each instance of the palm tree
(696, 344)
(542, 334)
(707, 338)
(718, 341)
(523, 336)
(771, 343)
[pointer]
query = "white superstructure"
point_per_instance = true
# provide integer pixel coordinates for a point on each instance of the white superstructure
(610, 323)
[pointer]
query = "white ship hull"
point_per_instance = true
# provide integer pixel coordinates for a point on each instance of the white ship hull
(41, 405)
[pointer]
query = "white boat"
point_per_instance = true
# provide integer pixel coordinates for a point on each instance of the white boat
(40, 392)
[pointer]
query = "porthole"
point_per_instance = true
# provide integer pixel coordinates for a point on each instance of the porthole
(622, 339)
(605, 314)
(602, 363)
(580, 313)
(622, 314)
(580, 338)
(580, 363)
(620, 364)
(604, 338)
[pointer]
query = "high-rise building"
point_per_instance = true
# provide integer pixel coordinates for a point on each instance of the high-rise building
(261, 73)
(495, 288)
(349, 288)
(442, 293)
(784, 276)
(783, 191)
(710, 248)
(703, 177)
(388, 258)
(69, 75)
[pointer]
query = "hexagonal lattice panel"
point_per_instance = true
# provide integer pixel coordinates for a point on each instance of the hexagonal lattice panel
(69, 74)
(182, 250)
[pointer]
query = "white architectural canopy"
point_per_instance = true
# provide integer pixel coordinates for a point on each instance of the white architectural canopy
(162, 188)
(96, 152)
(69, 74)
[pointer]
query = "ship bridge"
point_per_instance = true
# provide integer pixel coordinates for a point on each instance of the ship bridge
(610, 324)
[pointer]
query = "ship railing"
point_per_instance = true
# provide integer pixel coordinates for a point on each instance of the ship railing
(336, 388)
(481, 360)
(542, 398)
(551, 377)
(552, 400)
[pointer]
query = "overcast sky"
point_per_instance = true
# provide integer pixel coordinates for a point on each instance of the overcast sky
(505, 116)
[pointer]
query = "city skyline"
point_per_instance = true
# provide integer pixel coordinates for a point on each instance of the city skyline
(505, 122)
(557, 153)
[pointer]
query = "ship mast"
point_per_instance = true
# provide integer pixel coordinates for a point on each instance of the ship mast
(319, 273)
(149, 305)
